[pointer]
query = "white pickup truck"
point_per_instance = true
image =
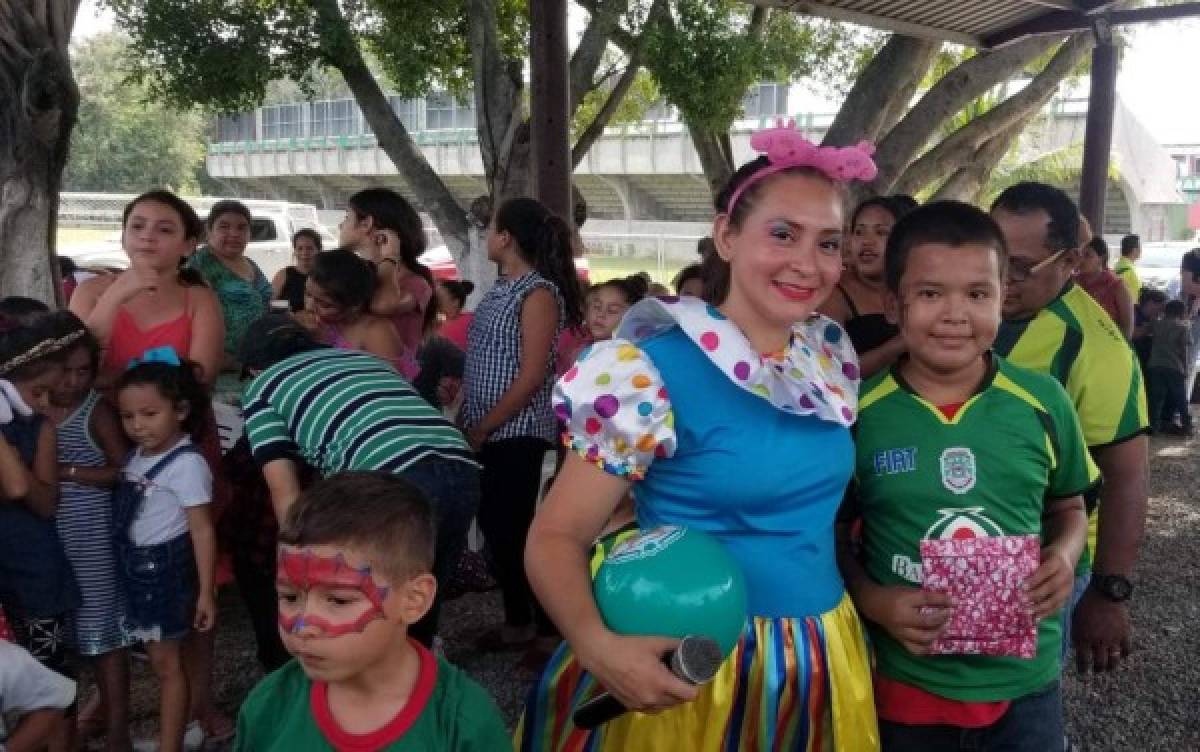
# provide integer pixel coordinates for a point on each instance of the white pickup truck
(272, 225)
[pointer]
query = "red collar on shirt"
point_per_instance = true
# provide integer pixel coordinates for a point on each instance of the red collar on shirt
(390, 732)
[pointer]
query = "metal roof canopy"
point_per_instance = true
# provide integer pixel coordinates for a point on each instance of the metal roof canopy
(981, 23)
(993, 23)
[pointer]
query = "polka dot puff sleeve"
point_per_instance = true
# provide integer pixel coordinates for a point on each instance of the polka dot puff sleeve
(615, 409)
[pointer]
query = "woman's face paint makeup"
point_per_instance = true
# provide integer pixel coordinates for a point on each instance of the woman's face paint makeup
(326, 593)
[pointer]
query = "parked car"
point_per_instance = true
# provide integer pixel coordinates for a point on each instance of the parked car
(1159, 266)
(272, 224)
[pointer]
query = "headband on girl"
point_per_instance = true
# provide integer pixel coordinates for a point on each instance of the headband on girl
(41, 350)
(786, 148)
(165, 354)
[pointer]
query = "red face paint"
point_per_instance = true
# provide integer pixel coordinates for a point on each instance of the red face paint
(305, 570)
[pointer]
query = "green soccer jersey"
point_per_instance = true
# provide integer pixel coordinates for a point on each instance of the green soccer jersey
(448, 712)
(1074, 340)
(987, 471)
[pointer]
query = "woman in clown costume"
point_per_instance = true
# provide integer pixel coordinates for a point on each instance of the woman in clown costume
(733, 419)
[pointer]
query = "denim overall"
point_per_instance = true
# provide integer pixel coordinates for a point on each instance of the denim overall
(160, 580)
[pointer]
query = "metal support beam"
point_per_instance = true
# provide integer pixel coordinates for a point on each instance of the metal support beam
(1066, 22)
(550, 105)
(1097, 140)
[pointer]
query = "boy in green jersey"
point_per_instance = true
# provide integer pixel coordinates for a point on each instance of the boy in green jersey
(353, 574)
(956, 443)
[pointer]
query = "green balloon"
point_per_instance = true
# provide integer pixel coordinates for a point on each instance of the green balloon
(672, 582)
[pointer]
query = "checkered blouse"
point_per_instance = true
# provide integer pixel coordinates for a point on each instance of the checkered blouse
(494, 355)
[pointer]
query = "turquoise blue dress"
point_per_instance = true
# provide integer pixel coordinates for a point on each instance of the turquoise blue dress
(756, 451)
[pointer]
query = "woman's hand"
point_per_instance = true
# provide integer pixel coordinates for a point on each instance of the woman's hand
(914, 617)
(632, 670)
(206, 612)
(132, 282)
(387, 244)
(476, 435)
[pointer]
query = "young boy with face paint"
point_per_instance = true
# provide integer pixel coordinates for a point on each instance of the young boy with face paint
(354, 563)
(955, 444)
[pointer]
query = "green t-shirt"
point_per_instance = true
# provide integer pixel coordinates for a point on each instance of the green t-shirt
(448, 712)
(1074, 340)
(988, 471)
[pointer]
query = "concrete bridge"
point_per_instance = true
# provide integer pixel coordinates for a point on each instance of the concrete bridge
(321, 152)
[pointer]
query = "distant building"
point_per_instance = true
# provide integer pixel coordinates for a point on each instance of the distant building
(322, 151)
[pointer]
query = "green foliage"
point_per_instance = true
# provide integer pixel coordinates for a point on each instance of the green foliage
(1061, 167)
(125, 140)
(707, 57)
(225, 53)
(642, 95)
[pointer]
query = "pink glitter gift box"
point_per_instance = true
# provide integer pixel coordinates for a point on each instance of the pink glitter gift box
(984, 575)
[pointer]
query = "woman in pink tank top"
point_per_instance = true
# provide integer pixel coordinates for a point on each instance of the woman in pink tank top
(152, 304)
(385, 229)
(155, 304)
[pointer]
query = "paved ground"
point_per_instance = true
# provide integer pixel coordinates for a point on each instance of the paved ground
(1153, 703)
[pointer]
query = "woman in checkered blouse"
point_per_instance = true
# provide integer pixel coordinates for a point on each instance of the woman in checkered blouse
(507, 380)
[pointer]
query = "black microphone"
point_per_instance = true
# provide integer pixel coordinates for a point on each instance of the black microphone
(695, 660)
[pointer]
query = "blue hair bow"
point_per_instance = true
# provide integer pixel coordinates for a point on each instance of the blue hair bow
(165, 354)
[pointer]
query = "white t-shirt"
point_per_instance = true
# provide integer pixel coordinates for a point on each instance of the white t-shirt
(26, 686)
(186, 482)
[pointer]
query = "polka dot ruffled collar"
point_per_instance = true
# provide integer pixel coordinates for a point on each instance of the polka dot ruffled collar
(816, 375)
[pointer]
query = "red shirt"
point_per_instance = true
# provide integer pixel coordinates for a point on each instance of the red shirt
(455, 329)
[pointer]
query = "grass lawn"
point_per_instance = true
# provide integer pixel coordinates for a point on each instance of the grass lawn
(68, 236)
(607, 267)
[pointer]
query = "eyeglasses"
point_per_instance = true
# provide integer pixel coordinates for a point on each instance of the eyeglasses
(1019, 272)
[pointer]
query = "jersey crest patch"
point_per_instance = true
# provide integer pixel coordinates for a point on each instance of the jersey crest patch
(958, 469)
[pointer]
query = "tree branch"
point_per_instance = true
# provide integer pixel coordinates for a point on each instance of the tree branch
(586, 59)
(341, 52)
(595, 129)
(949, 95)
(883, 89)
(969, 181)
(957, 149)
(497, 92)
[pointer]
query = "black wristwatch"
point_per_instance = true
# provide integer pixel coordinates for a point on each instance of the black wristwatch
(1114, 587)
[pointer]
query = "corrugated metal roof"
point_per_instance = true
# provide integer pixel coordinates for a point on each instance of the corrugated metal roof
(964, 21)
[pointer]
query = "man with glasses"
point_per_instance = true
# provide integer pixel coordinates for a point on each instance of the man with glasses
(1055, 327)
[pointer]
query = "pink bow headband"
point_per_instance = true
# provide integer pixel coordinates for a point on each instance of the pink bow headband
(785, 148)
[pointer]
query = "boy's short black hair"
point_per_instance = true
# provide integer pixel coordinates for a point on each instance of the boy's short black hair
(1175, 309)
(1151, 295)
(1026, 197)
(382, 514)
(951, 223)
(1129, 244)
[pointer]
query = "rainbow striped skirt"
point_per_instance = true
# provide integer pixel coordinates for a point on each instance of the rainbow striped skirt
(790, 684)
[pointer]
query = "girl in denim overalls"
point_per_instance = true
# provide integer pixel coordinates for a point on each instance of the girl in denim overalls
(166, 548)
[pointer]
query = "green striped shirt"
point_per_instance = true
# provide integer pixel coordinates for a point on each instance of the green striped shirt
(340, 410)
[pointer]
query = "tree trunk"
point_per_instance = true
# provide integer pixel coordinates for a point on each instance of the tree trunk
(883, 91)
(341, 51)
(39, 106)
(950, 94)
(958, 149)
(716, 156)
(969, 181)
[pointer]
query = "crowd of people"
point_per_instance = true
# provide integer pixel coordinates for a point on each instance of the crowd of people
(829, 395)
